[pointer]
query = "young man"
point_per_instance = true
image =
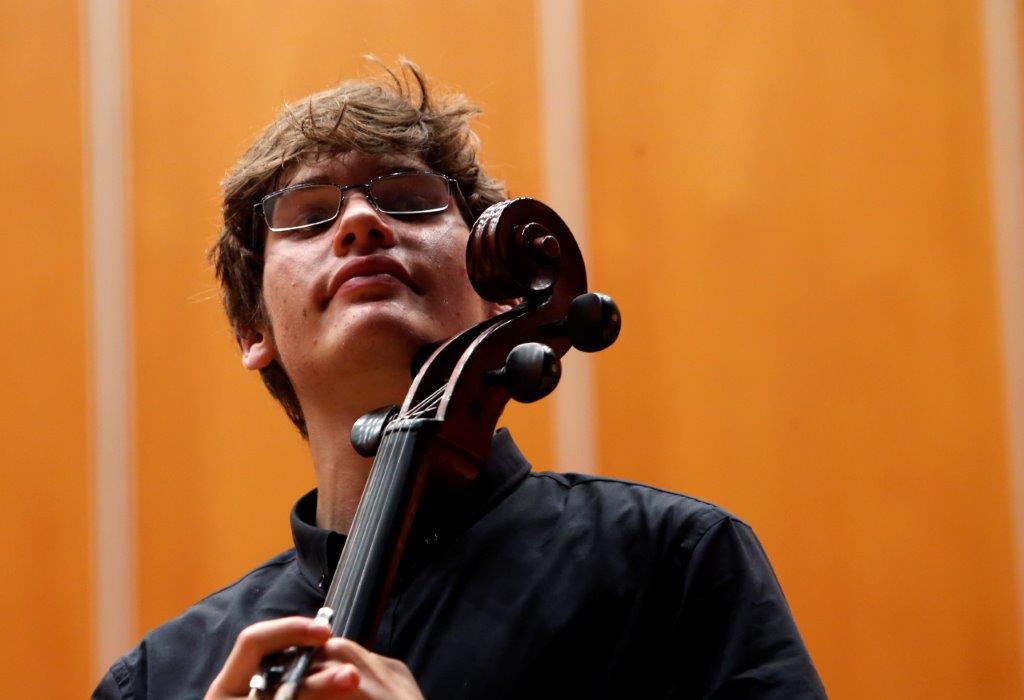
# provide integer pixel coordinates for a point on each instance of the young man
(342, 254)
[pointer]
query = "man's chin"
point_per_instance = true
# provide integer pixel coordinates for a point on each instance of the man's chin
(379, 336)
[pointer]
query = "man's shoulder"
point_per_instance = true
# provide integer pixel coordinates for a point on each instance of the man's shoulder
(201, 636)
(240, 596)
(639, 508)
(653, 499)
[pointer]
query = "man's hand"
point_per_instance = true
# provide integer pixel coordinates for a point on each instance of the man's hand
(342, 670)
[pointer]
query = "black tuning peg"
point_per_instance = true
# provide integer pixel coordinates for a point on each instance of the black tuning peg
(531, 372)
(369, 428)
(593, 322)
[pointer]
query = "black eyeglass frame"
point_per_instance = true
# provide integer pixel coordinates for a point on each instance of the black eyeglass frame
(260, 212)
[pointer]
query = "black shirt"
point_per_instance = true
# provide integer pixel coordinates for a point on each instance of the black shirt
(547, 585)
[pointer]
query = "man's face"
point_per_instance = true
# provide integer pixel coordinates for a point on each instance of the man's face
(364, 293)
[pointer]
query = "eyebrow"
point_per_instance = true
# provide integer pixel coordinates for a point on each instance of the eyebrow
(324, 179)
(311, 180)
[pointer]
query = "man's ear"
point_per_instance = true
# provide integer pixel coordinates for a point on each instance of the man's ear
(258, 348)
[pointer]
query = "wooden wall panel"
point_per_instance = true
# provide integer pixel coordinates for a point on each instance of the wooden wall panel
(219, 465)
(44, 503)
(790, 202)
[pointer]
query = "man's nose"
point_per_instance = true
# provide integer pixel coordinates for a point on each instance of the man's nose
(361, 228)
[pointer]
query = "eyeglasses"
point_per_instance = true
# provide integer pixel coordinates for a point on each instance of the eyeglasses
(399, 194)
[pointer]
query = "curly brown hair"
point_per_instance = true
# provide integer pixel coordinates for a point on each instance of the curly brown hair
(396, 114)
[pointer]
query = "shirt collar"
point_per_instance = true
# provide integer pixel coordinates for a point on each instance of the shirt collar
(318, 550)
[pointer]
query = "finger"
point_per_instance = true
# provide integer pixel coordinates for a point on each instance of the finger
(322, 664)
(377, 674)
(260, 639)
(341, 649)
(331, 682)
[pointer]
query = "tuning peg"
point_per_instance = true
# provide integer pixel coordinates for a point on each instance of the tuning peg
(531, 372)
(369, 428)
(593, 322)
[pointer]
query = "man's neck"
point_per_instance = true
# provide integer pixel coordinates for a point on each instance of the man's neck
(341, 472)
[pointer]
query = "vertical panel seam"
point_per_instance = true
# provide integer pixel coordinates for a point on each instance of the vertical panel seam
(1003, 84)
(563, 153)
(105, 185)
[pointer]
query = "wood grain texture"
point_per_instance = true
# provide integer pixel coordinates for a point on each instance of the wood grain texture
(790, 202)
(45, 500)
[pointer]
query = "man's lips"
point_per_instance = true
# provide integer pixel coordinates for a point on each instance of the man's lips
(367, 266)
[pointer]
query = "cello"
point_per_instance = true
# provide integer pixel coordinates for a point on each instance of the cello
(429, 450)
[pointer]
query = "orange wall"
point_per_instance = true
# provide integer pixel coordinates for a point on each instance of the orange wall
(218, 463)
(791, 203)
(45, 594)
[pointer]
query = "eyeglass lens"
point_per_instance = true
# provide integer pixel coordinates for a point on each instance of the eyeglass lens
(399, 194)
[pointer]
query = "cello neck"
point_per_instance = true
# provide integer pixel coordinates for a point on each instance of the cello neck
(370, 558)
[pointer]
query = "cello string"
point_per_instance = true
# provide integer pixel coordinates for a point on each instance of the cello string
(376, 489)
(366, 531)
(432, 396)
(388, 492)
(430, 403)
(418, 408)
(352, 551)
(390, 484)
(425, 409)
(368, 521)
(370, 530)
(352, 554)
